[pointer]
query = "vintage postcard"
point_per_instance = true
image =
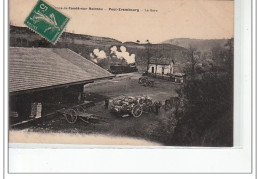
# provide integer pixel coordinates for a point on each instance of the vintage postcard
(128, 72)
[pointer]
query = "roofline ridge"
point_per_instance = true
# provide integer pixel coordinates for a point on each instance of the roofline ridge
(81, 56)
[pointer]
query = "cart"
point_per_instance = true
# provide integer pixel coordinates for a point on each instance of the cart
(72, 114)
(145, 81)
(133, 106)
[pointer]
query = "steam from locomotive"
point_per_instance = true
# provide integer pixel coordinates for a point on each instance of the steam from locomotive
(123, 54)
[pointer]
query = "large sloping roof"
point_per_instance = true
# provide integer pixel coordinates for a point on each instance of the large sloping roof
(32, 68)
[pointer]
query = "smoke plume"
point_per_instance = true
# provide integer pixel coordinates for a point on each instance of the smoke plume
(97, 55)
(123, 54)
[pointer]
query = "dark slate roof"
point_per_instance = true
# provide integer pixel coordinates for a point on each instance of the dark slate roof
(32, 68)
(161, 60)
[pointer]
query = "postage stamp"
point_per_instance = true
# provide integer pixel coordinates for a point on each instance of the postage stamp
(46, 21)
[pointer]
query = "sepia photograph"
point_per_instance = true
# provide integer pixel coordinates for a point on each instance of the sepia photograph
(131, 73)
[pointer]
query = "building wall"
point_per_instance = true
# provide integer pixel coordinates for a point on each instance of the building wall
(160, 69)
(51, 100)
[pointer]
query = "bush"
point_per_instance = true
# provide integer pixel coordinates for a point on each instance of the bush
(207, 119)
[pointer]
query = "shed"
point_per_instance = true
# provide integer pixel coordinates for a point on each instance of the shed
(43, 79)
(179, 77)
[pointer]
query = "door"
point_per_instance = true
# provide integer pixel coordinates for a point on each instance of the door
(152, 69)
(162, 70)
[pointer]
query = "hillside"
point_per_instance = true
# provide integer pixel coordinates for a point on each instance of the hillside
(200, 44)
(24, 32)
(85, 44)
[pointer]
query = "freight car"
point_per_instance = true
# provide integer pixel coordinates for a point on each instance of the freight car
(118, 69)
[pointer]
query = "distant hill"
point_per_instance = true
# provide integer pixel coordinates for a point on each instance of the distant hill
(200, 44)
(85, 44)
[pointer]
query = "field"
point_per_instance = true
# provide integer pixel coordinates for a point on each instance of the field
(149, 126)
(127, 84)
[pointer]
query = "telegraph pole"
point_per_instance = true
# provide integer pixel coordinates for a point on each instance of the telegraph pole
(148, 48)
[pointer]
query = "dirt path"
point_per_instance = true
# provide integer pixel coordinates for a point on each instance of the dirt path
(127, 84)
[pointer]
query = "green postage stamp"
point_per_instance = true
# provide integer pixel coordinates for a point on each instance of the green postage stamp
(46, 21)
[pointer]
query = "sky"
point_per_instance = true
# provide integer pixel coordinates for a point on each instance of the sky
(199, 19)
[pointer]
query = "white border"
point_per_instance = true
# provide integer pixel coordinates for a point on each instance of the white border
(175, 160)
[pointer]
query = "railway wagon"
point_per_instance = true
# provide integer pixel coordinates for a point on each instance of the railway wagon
(118, 69)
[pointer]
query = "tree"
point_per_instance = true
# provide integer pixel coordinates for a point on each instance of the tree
(208, 116)
(191, 68)
(218, 57)
(208, 106)
(230, 56)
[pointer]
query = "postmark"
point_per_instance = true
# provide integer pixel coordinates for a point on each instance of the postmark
(46, 21)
